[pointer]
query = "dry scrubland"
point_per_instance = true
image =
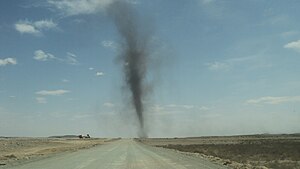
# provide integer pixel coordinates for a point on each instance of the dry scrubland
(254, 151)
(19, 150)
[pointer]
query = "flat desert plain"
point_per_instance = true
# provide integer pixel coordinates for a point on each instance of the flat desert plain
(248, 151)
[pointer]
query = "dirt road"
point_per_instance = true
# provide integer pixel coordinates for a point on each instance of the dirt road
(122, 154)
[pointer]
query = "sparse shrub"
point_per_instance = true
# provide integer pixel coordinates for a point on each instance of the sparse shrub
(10, 156)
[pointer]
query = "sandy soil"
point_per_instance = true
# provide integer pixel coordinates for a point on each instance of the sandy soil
(19, 150)
(254, 151)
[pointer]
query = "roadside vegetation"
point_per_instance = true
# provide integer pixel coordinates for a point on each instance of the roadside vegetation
(19, 150)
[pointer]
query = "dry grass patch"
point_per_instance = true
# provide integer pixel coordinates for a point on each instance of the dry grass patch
(14, 150)
(275, 151)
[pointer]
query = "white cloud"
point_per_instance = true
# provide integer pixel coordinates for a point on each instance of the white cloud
(216, 66)
(293, 45)
(23, 27)
(77, 7)
(91, 68)
(99, 73)
(185, 106)
(42, 56)
(52, 92)
(45, 24)
(41, 100)
(274, 100)
(65, 80)
(108, 104)
(8, 61)
(206, 1)
(34, 28)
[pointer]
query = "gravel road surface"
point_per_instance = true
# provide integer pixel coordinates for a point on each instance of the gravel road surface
(122, 154)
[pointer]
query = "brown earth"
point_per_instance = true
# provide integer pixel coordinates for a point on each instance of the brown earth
(253, 151)
(19, 150)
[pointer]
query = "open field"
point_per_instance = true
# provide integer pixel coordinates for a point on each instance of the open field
(19, 150)
(253, 151)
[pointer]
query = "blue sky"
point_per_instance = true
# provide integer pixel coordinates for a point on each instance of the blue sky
(218, 68)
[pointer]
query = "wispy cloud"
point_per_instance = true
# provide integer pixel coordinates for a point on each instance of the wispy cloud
(41, 100)
(217, 66)
(40, 55)
(252, 62)
(35, 28)
(206, 1)
(91, 68)
(227, 64)
(108, 104)
(52, 92)
(280, 19)
(186, 106)
(180, 106)
(109, 44)
(77, 7)
(81, 116)
(176, 108)
(71, 58)
(8, 61)
(274, 100)
(289, 34)
(45, 24)
(295, 45)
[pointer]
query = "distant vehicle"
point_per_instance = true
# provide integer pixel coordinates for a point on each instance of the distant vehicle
(82, 137)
